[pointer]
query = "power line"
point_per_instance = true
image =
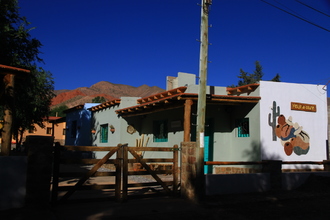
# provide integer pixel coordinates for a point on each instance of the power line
(323, 28)
(312, 8)
(290, 9)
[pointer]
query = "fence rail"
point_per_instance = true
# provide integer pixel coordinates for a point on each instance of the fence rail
(324, 162)
(266, 164)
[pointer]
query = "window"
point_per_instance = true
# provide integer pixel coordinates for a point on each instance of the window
(243, 127)
(160, 131)
(49, 130)
(64, 131)
(73, 129)
(104, 133)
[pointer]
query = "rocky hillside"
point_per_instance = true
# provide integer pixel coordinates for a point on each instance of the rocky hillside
(108, 90)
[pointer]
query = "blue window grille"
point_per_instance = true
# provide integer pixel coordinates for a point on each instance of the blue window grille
(160, 131)
(243, 129)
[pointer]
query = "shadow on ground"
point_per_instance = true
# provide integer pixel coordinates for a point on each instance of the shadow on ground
(311, 200)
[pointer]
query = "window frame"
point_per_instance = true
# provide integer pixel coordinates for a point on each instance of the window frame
(49, 130)
(160, 128)
(104, 133)
(242, 127)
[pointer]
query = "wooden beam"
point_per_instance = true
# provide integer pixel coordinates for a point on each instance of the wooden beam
(187, 120)
(237, 100)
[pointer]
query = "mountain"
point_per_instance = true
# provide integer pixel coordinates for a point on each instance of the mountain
(106, 89)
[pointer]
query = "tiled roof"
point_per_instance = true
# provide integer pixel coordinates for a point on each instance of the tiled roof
(242, 89)
(105, 105)
(153, 100)
(162, 95)
(74, 108)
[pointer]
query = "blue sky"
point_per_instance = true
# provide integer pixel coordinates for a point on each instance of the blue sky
(136, 42)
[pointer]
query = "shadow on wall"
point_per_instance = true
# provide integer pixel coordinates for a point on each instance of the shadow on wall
(83, 128)
(256, 154)
(94, 131)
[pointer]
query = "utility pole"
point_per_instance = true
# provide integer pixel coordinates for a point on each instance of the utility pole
(201, 105)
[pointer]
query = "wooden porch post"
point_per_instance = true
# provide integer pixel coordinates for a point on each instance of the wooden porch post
(187, 120)
(8, 114)
(7, 96)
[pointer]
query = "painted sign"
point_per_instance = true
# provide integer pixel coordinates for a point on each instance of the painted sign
(293, 138)
(303, 107)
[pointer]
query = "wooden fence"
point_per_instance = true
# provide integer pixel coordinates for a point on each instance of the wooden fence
(325, 163)
(120, 186)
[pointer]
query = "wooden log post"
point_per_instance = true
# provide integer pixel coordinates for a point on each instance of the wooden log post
(7, 97)
(187, 120)
(8, 114)
(326, 165)
(125, 173)
(39, 170)
(56, 172)
(175, 169)
(119, 168)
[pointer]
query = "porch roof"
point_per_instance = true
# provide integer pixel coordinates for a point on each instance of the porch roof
(175, 99)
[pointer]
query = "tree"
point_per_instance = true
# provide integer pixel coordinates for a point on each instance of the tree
(276, 78)
(58, 111)
(33, 94)
(99, 99)
(250, 78)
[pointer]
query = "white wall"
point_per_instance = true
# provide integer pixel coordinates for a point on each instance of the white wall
(313, 123)
(110, 117)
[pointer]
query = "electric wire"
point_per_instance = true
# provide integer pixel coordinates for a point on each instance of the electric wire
(312, 8)
(290, 9)
(316, 25)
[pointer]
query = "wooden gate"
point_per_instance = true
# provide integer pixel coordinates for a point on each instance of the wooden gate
(117, 179)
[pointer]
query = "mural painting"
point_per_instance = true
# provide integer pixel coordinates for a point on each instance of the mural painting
(292, 137)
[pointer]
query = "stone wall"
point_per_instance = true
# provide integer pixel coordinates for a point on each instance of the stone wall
(188, 169)
(235, 170)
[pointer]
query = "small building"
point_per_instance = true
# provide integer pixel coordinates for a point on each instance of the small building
(54, 126)
(262, 121)
(78, 125)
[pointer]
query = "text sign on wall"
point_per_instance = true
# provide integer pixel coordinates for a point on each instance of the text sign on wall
(303, 107)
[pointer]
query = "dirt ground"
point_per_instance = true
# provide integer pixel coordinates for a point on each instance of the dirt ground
(310, 201)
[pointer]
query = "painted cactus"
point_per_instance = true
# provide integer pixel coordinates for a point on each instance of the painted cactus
(275, 114)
